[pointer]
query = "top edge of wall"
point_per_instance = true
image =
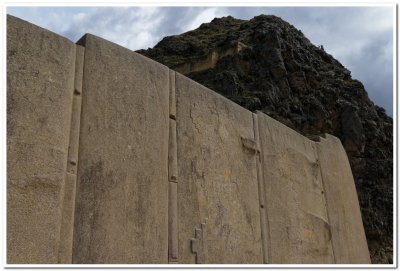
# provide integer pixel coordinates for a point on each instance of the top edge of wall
(180, 76)
(22, 21)
(83, 41)
(311, 138)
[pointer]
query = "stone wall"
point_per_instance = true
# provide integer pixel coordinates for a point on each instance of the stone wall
(114, 158)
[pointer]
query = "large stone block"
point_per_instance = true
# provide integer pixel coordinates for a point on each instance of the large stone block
(348, 236)
(40, 85)
(297, 222)
(122, 189)
(219, 220)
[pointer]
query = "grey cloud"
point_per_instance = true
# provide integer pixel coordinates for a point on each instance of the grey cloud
(372, 67)
(359, 37)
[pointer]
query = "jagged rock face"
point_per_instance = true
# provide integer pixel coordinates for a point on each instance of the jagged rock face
(266, 64)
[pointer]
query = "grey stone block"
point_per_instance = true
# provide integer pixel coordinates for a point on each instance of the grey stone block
(348, 236)
(299, 231)
(122, 191)
(219, 220)
(40, 84)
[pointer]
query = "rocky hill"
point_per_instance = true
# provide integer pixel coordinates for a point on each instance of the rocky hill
(267, 64)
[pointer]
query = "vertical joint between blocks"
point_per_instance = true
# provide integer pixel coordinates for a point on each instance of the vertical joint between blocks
(76, 112)
(172, 95)
(315, 147)
(172, 175)
(261, 193)
(68, 203)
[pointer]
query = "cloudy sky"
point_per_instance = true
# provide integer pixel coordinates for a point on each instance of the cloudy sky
(361, 38)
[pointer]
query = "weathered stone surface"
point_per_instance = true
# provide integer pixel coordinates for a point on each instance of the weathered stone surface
(122, 195)
(40, 82)
(217, 188)
(348, 237)
(168, 170)
(298, 226)
(280, 72)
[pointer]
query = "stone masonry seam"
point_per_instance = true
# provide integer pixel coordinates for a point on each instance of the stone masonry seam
(261, 192)
(68, 209)
(172, 175)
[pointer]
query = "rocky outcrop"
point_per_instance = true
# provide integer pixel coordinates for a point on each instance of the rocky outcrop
(278, 71)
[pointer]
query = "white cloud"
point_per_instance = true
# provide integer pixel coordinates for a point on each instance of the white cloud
(133, 28)
(360, 38)
(206, 15)
(80, 18)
